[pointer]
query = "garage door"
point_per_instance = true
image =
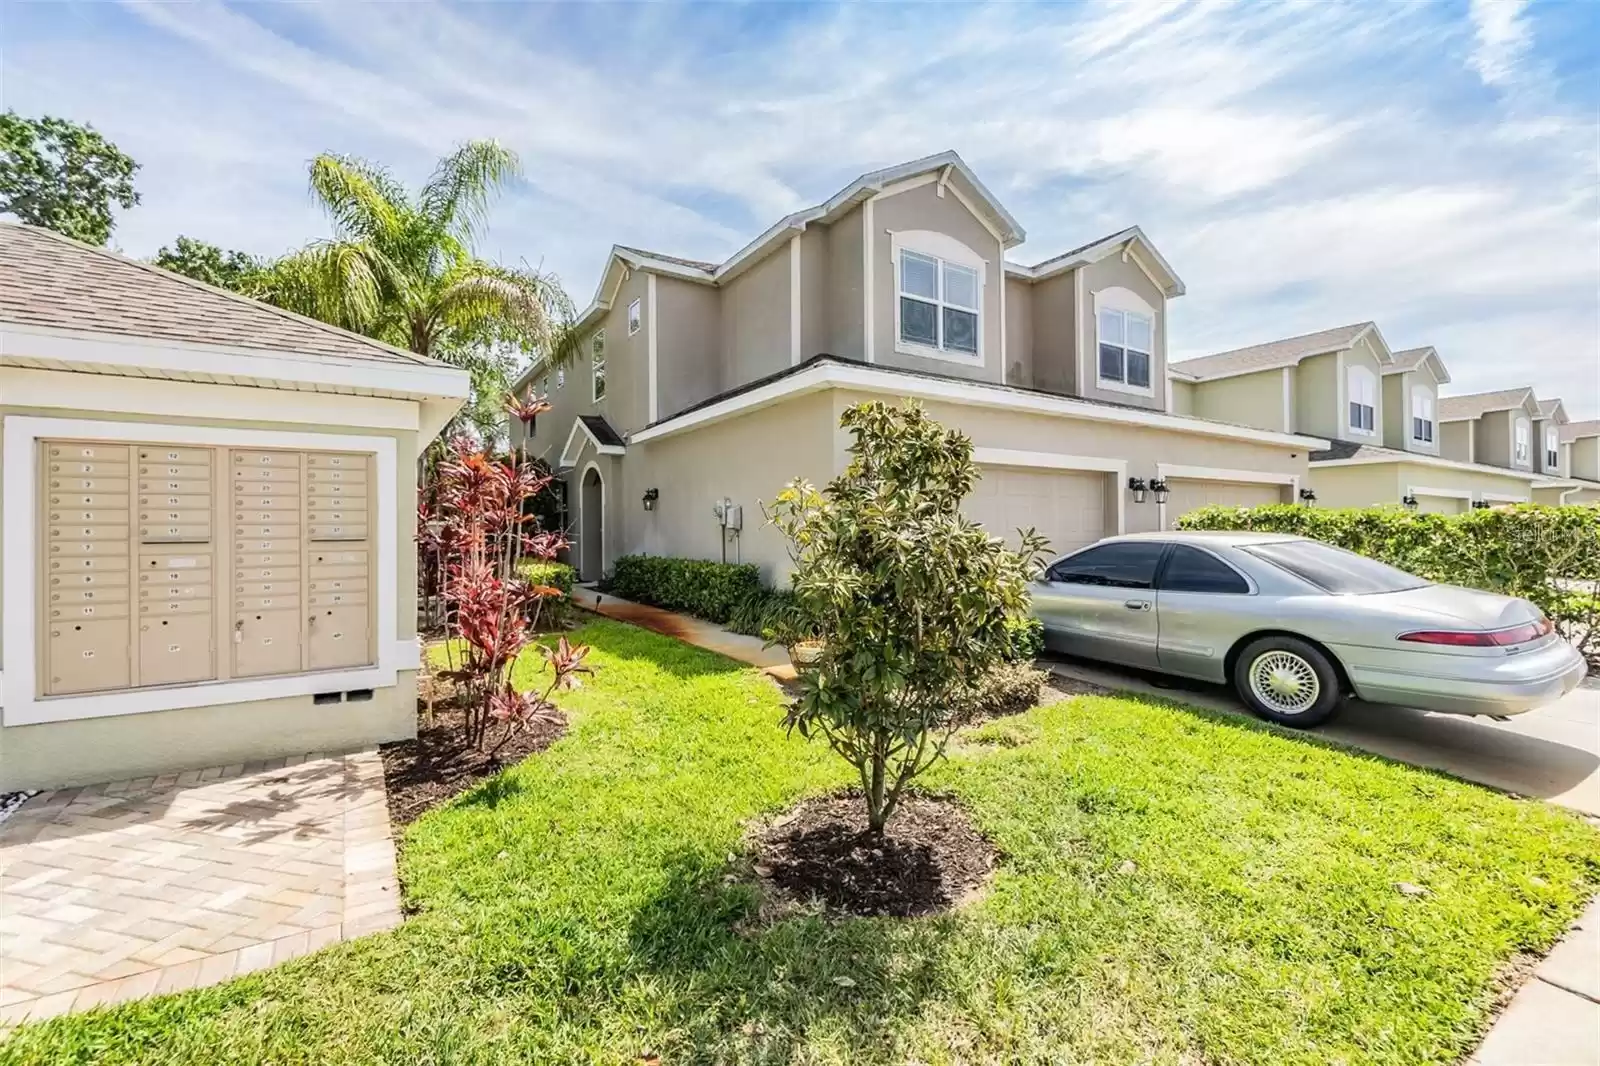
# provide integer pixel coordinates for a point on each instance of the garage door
(1440, 504)
(1067, 507)
(1184, 495)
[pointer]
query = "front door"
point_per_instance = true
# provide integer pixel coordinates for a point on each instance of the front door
(591, 526)
(1100, 603)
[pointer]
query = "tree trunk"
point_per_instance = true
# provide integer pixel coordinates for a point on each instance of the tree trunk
(876, 815)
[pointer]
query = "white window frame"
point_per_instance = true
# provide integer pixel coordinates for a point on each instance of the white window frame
(1366, 397)
(1552, 448)
(635, 317)
(597, 366)
(1422, 411)
(1128, 304)
(19, 564)
(561, 378)
(944, 250)
(1521, 440)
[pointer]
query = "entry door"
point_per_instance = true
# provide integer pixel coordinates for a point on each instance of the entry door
(1100, 603)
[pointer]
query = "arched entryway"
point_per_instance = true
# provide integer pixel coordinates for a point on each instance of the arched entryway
(591, 524)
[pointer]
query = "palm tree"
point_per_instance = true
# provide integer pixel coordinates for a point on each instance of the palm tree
(401, 269)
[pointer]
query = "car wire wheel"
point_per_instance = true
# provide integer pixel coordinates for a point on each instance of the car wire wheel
(1284, 682)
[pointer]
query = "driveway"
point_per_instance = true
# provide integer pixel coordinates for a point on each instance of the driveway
(1552, 753)
(124, 890)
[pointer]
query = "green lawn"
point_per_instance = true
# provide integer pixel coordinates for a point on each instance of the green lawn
(577, 908)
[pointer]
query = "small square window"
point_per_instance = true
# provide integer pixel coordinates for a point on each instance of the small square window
(633, 318)
(597, 363)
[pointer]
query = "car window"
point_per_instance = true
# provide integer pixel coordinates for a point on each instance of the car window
(1123, 565)
(1335, 570)
(1190, 569)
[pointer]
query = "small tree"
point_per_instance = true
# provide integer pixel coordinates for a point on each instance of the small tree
(62, 176)
(472, 535)
(910, 598)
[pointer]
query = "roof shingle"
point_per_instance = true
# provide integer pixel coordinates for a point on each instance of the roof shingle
(1477, 404)
(1272, 355)
(51, 281)
(1573, 430)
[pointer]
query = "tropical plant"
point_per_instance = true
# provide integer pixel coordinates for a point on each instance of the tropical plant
(63, 176)
(401, 268)
(206, 262)
(911, 600)
(475, 537)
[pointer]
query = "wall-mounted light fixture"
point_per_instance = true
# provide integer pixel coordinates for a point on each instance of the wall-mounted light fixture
(1137, 486)
(1308, 496)
(1409, 502)
(1480, 505)
(1159, 487)
(650, 498)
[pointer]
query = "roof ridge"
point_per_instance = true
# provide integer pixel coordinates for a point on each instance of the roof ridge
(1278, 340)
(117, 257)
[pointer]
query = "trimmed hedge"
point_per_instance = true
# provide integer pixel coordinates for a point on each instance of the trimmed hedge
(1549, 555)
(552, 575)
(695, 586)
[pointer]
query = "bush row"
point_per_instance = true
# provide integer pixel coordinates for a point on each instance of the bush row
(1549, 555)
(553, 575)
(695, 586)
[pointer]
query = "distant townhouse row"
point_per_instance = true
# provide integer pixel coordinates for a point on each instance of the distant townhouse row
(1394, 436)
(703, 387)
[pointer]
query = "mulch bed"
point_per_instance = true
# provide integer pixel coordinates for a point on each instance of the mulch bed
(929, 859)
(421, 774)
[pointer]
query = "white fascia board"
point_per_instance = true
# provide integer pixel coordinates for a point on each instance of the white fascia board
(968, 393)
(1049, 268)
(1420, 459)
(1385, 354)
(151, 357)
(573, 438)
(1048, 460)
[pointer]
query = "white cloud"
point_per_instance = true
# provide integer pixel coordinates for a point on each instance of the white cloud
(1501, 38)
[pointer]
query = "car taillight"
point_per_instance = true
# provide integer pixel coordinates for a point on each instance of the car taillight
(1497, 638)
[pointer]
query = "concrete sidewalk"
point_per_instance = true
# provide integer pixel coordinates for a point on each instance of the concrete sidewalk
(1554, 1019)
(702, 634)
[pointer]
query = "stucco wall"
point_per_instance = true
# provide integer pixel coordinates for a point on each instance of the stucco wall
(1182, 393)
(755, 337)
(1319, 397)
(1055, 334)
(688, 344)
(1456, 441)
(845, 301)
(1494, 438)
(922, 208)
(815, 292)
(1584, 458)
(1355, 486)
(1113, 272)
(1247, 400)
(1019, 333)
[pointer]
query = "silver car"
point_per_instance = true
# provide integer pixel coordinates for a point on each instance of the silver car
(1295, 625)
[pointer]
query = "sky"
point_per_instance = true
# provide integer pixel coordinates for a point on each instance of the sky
(1433, 167)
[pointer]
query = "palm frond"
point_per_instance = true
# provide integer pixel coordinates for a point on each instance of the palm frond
(457, 195)
(333, 281)
(522, 307)
(363, 200)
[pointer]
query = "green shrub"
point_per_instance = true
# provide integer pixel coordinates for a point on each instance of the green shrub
(705, 589)
(1549, 555)
(1006, 688)
(771, 614)
(555, 611)
(1027, 639)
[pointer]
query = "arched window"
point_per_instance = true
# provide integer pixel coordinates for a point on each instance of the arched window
(1422, 416)
(1362, 385)
(1522, 440)
(1552, 448)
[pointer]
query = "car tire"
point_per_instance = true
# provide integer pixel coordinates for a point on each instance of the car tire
(1288, 681)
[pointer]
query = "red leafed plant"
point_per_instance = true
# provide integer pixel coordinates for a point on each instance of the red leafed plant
(473, 532)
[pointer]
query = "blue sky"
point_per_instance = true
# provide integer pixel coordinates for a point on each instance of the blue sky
(1434, 167)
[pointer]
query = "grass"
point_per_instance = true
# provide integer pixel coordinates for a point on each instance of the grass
(578, 908)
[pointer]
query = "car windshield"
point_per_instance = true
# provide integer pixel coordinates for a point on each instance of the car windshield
(1335, 570)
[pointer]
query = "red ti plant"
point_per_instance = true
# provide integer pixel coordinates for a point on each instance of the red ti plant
(473, 535)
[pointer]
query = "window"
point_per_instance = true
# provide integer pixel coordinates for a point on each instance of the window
(1422, 416)
(1363, 390)
(1552, 448)
(1522, 439)
(1126, 341)
(1191, 569)
(633, 318)
(544, 385)
(1123, 565)
(295, 527)
(1335, 570)
(938, 304)
(561, 378)
(597, 361)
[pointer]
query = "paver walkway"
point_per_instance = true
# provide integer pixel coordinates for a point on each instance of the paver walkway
(120, 891)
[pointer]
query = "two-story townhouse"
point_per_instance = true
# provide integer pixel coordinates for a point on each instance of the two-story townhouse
(1578, 455)
(1394, 438)
(704, 387)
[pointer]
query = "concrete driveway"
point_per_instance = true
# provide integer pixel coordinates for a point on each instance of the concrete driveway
(1552, 753)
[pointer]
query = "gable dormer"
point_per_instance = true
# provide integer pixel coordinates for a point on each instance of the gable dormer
(1492, 428)
(1549, 456)
(1411, 400)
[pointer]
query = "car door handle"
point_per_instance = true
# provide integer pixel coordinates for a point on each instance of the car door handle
(1137, 605)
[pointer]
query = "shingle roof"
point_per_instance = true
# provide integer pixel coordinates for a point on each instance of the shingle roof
(1409, 359)
(1273, 354)
(1473, 405)
(602, 430)
(1573, 430)
(695, 264)
(1547, 408)
(52, 281)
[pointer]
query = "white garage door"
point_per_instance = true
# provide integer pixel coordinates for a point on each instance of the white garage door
(1184, 495)
(1068, 507)
(1440, 504)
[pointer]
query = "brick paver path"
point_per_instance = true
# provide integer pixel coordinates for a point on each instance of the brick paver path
(115, 892)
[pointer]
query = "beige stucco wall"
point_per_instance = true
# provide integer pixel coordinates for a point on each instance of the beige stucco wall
(1115, 272)
(1493, 438)
(1247, 400)
(815, 291)
(88, 750)
(1319, 397)
(1019, 333)
(1355, 486)
(1456, 441)
(688, 338)
(1583, 458)
(921, 208)
(1055, 334)
(846, 309)
(1182, 393)
(756, 334)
